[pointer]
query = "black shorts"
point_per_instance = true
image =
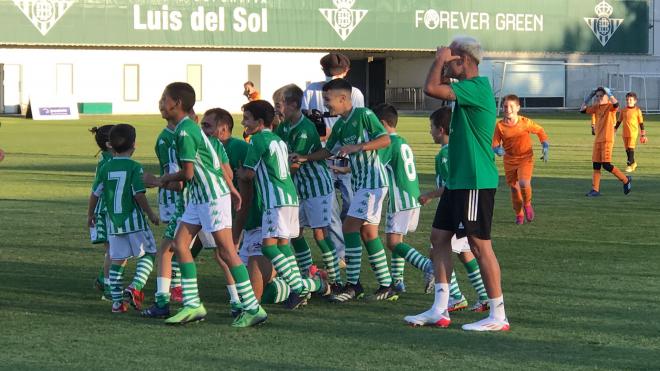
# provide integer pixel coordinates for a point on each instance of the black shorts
(466, 212)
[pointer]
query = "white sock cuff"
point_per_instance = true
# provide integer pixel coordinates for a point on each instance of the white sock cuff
(233, 293)
(163, 285)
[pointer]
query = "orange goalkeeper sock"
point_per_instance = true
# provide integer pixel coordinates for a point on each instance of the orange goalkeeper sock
(595, 181)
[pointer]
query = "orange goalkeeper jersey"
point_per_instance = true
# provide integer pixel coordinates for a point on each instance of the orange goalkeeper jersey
(516, 140)
(605, 121)
(631, 117)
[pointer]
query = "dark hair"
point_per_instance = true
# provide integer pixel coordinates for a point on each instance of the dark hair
(291, 94)
(600, 89)
(182, 92)
(101, 135)
(511, 97)
(338, 84)
(387, 112)
(221, 117)
(249, 83)
(631, 94)
(441, 118)
(334, 64)
(122, 137)
(261, 110)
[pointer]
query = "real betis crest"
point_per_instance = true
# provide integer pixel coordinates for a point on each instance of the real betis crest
(603, 27)
(43, 13)
(343, 18)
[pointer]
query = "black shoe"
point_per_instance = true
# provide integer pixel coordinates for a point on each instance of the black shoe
(628, 186)
(349, 293)
(295, 301)
(385, 293)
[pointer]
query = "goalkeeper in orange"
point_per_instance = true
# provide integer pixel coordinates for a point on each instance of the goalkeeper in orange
(512, 140)
(604, 109)
(633, 124)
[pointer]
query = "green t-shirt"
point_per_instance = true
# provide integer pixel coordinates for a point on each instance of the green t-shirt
(399, 164)
(361, 126)
(117, 182)
(236, 151)
(471, 160)
(106, 156)
(268, 157)
(167, 161)
(313, 178)
(191, 145)
(442, 166)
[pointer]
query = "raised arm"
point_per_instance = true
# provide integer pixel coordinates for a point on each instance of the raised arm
(437, 85)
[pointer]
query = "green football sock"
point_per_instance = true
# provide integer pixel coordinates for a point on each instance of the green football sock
(101, 276)
(454, 290)
(287, 251)
(303, 253)
(189, 285)
(398, 264)
(282, 267)
(413, 257)
(176, 273)
(353, 257)
(378, 261)
(330, 260)
(116, 289)
(474, 274)
(142, 271)
(276, 291)
(244, 288)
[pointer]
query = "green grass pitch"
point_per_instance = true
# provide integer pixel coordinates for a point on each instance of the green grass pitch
(581, 283)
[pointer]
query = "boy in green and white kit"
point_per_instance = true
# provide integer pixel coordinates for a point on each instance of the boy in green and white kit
(358, 135)
(313, 182)
(267, 163)
(403, 208)
(119, 182)
(209, 209)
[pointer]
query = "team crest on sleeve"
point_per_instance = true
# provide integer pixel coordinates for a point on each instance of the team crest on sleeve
(343, 18)
(43, 14)
(603, 26)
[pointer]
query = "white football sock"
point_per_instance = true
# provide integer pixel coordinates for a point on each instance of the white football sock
(441, 300)
(233, 294)
(497, 308)
(163, 285)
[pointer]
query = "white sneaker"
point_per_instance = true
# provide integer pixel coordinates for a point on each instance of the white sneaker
(488, 324)
(429, 318)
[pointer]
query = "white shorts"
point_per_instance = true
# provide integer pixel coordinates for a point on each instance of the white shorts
(212, 216)
(367, 204)
(459, 245)
(402, 222)
(166, 212)
(251, 245)
(129, 245)
(316, 212)
(280, 222)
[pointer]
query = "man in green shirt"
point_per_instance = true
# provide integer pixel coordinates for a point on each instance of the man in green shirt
(358, 135)
(467, 203)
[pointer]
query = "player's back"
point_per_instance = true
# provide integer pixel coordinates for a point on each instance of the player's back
(399, 163)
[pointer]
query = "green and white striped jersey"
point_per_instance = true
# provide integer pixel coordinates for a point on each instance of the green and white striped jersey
(268, 157)
(191, 145)
(361, 126)
(399, 164)
(168, 165)
(313, 177)
(106, 156)
(117, 182)
(442, 166)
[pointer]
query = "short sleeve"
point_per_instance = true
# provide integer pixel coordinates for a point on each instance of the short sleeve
(97, 186)
(137, 182)
(385, 154)
(254, 152)
(186, 146)
(467, 93)
(374, 128)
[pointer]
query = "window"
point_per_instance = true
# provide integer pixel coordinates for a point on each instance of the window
(194, 73)
(64, 79)
(131, 82)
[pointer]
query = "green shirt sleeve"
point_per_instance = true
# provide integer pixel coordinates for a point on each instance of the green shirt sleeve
(186, 146)
(373, 126)
(162, 152)
(137, 183)
(254, 152)
(97, 186)
(385, 154)
(467, 93)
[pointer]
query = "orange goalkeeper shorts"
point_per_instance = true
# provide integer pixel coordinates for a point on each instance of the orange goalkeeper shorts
(520, 169)
(629, 142)
(602, 152)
